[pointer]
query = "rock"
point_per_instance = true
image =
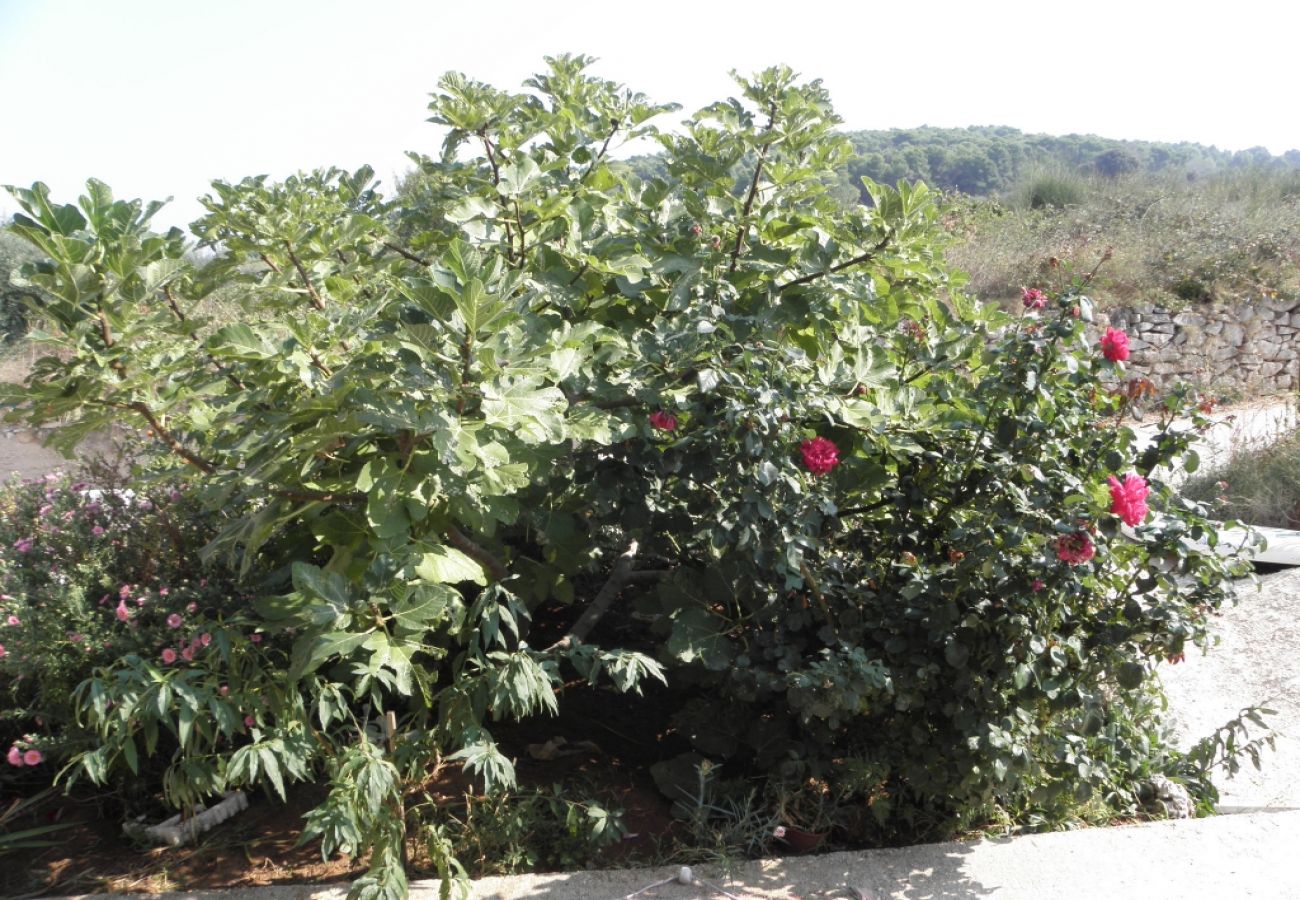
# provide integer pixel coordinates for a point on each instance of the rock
(1172, 796)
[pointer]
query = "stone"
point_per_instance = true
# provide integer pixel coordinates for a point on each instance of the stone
(1234, 334)
(1189, 319)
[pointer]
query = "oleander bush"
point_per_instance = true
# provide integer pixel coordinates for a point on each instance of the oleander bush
(548, 424)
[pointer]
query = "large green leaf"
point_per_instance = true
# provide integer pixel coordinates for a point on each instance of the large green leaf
(522, 406)
(447, 565)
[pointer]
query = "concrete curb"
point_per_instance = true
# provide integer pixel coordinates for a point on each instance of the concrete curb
(1248, 855)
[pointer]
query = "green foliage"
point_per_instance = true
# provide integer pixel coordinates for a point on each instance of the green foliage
(455, 426)
(15, 299)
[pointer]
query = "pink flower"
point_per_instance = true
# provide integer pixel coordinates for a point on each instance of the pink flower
(188, 654)
(205, 639)
(191, 608)
(3, 651)
(24, 544)
(164, 591)
(33, 757)
(76, 637)
(125, 591)
(97, 531)
(664, 421)
(255, 638)
(1033, 298)
(819, 455)
(169, 656)
(174, 620)
(13, 621)
(1038, 584)
(224, 690)
(1075, 548)
(1128, 499)
(122, 612)
(249, 721)
(778, 832)
(1114, 345)
(15, 756)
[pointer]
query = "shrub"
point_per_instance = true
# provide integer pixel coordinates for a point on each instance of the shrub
(865, 523)
(1053, 190)
(89, 577)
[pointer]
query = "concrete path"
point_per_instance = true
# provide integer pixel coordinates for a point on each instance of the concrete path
(1228, 857)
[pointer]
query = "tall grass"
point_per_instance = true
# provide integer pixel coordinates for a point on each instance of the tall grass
(1261, 487)
(1227, 237)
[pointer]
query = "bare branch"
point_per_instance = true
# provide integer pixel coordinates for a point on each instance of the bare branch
(855, 261)
(316, 301)
(753, 192)
(484, 558)
(407, 254)
(615, 583)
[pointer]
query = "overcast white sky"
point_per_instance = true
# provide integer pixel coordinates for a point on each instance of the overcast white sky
(157, 97)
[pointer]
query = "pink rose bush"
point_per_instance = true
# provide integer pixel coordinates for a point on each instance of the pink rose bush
(663, 421)
(819, 455)
(1114, 345)
(1033, 298)
(1075, 549)
(1128, 498)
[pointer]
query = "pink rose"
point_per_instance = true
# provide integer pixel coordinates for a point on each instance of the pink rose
(188, 654)
(13, 621)
(1038, 584)
(249, 721)
(255, 638)
(122, 612)
(15, 756)
(32, 757)
(1114, 345)
(3, 651)
(205, 639)
(174, 620)
(1128, 499)
(664, 421)
(1075, 548)
(819, 455)
(224, 690)
(169, 656)
(1033, 298)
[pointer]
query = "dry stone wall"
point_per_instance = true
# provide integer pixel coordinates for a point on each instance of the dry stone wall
(1239, 352)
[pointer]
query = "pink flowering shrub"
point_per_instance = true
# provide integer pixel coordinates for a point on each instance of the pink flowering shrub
(1128, 498)
(1114, 345)
(86, 579)
(819, 455)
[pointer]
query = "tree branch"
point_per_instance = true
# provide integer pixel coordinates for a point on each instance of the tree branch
(618, 577)
(855, 261)
(613, 130)
(407, 254)
(180, 316)
(316, 301)
(484, 558)
(753, 192)
(198, 462)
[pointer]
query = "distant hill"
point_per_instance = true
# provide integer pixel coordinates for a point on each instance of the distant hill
(993, 159)
(990, 159)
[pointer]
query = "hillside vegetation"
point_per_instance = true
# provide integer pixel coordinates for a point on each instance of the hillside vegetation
(1186, 223)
